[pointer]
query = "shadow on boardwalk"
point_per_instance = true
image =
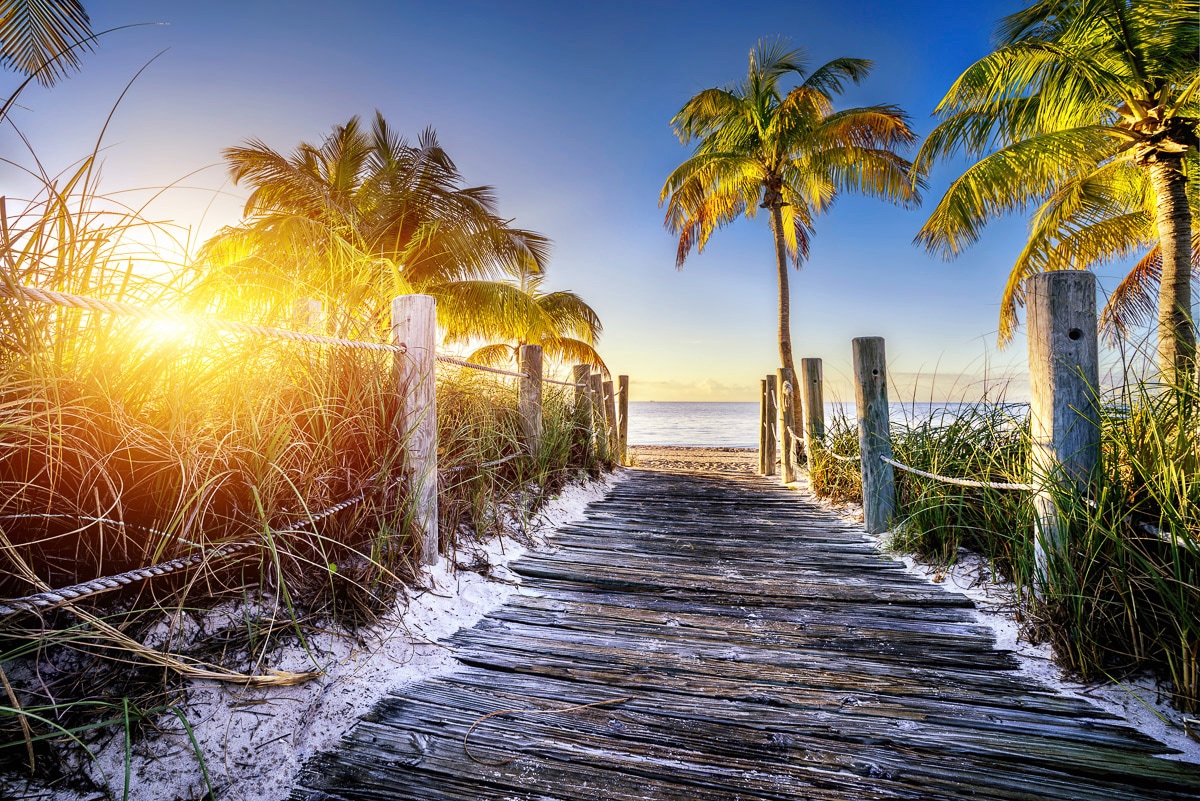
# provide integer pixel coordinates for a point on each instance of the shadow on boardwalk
(773, 655)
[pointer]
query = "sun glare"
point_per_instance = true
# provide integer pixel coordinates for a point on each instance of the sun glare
(166, 330)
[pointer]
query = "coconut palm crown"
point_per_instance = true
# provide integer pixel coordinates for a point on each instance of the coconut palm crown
(1087, 112)
(363, 216)
(565, 327)
(762, 145)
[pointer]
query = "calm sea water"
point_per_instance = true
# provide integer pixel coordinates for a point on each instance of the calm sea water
(730, 425)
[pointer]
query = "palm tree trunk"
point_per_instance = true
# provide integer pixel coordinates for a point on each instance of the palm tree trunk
(785, 301)
(1176, 332)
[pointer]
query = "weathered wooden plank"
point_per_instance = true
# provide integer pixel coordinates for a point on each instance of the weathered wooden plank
(773, 655)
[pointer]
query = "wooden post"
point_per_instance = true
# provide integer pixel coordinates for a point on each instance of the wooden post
(623, 411)
(1063, 385)
(812, 396)
(529, 399)
(414, 325)
(874, 434)
(306, 314)
(769, 456)
(787, 424)
(762, 427)
(599, 423)
(583, 407)
(610, 418)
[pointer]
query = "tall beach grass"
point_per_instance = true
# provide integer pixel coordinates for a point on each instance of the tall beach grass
(1125, 595)
(126, 443)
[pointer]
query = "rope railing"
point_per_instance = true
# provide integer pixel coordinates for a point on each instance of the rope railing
(510, 373)
(84, 303)
(413, 324)
(563, 383)
(86, 589)
(961, 482)
(839, 458)
(480, 367)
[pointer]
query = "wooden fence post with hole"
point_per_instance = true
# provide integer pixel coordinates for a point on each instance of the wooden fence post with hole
(583, 407)
(610, 417)
(623, 412)
(787, 424)
(874, 433)
(529, 400)
(414, 325)
(769, 398)
(1063, 399)
(812, 396)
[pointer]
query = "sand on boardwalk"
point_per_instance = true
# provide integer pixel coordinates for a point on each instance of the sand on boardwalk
(699, 460)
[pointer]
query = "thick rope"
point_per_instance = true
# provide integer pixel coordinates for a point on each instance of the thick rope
(562, 383)
(961, 482)
(473, 366)
(75, 592)
(838, 457)
(129, 310)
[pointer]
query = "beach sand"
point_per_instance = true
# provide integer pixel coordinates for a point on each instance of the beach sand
(700, 460)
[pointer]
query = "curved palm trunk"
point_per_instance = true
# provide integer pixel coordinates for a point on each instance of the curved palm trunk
(1176, 331)
(785, 301)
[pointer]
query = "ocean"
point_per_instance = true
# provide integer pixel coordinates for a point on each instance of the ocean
(732, 425)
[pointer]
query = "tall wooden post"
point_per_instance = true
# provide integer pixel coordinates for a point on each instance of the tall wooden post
(414, 325)
(787, 424)
(599, 423)
(610, 418)
(769, 456)
(1064, 410)
(874, 433)
(762, 427)
(529, 398)
(583, 408)
(812, 396)
(623, 412)
(306, 314)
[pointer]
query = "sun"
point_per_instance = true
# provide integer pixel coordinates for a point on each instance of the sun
(167, 330)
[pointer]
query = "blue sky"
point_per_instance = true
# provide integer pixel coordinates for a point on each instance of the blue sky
(565, 109)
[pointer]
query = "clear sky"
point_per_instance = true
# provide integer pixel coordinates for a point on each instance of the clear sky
(565, 109)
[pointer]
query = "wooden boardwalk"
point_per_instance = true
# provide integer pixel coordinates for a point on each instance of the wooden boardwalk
(773, 655)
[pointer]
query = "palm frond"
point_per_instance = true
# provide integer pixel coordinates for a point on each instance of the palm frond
(43, 38)
(1010, 180)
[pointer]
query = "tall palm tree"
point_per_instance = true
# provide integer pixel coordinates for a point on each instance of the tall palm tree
(759, 145)
(364, 216)
(560, 322)
(1088, 109)
(42, 38)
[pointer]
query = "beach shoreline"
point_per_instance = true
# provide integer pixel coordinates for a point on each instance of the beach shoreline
(695, 459)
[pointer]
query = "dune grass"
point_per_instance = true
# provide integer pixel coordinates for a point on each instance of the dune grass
(1126, 595)
(126, 443)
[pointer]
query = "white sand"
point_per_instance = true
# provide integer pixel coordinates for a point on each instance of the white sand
(255, 741)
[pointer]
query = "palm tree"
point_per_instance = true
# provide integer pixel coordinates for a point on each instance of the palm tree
(41, 38)
(1103, 215)
(1088, 109)
(561, 322)
(362, 217)
(790, 153)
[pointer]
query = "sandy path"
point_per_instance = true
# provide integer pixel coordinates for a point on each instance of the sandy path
(703, 460)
